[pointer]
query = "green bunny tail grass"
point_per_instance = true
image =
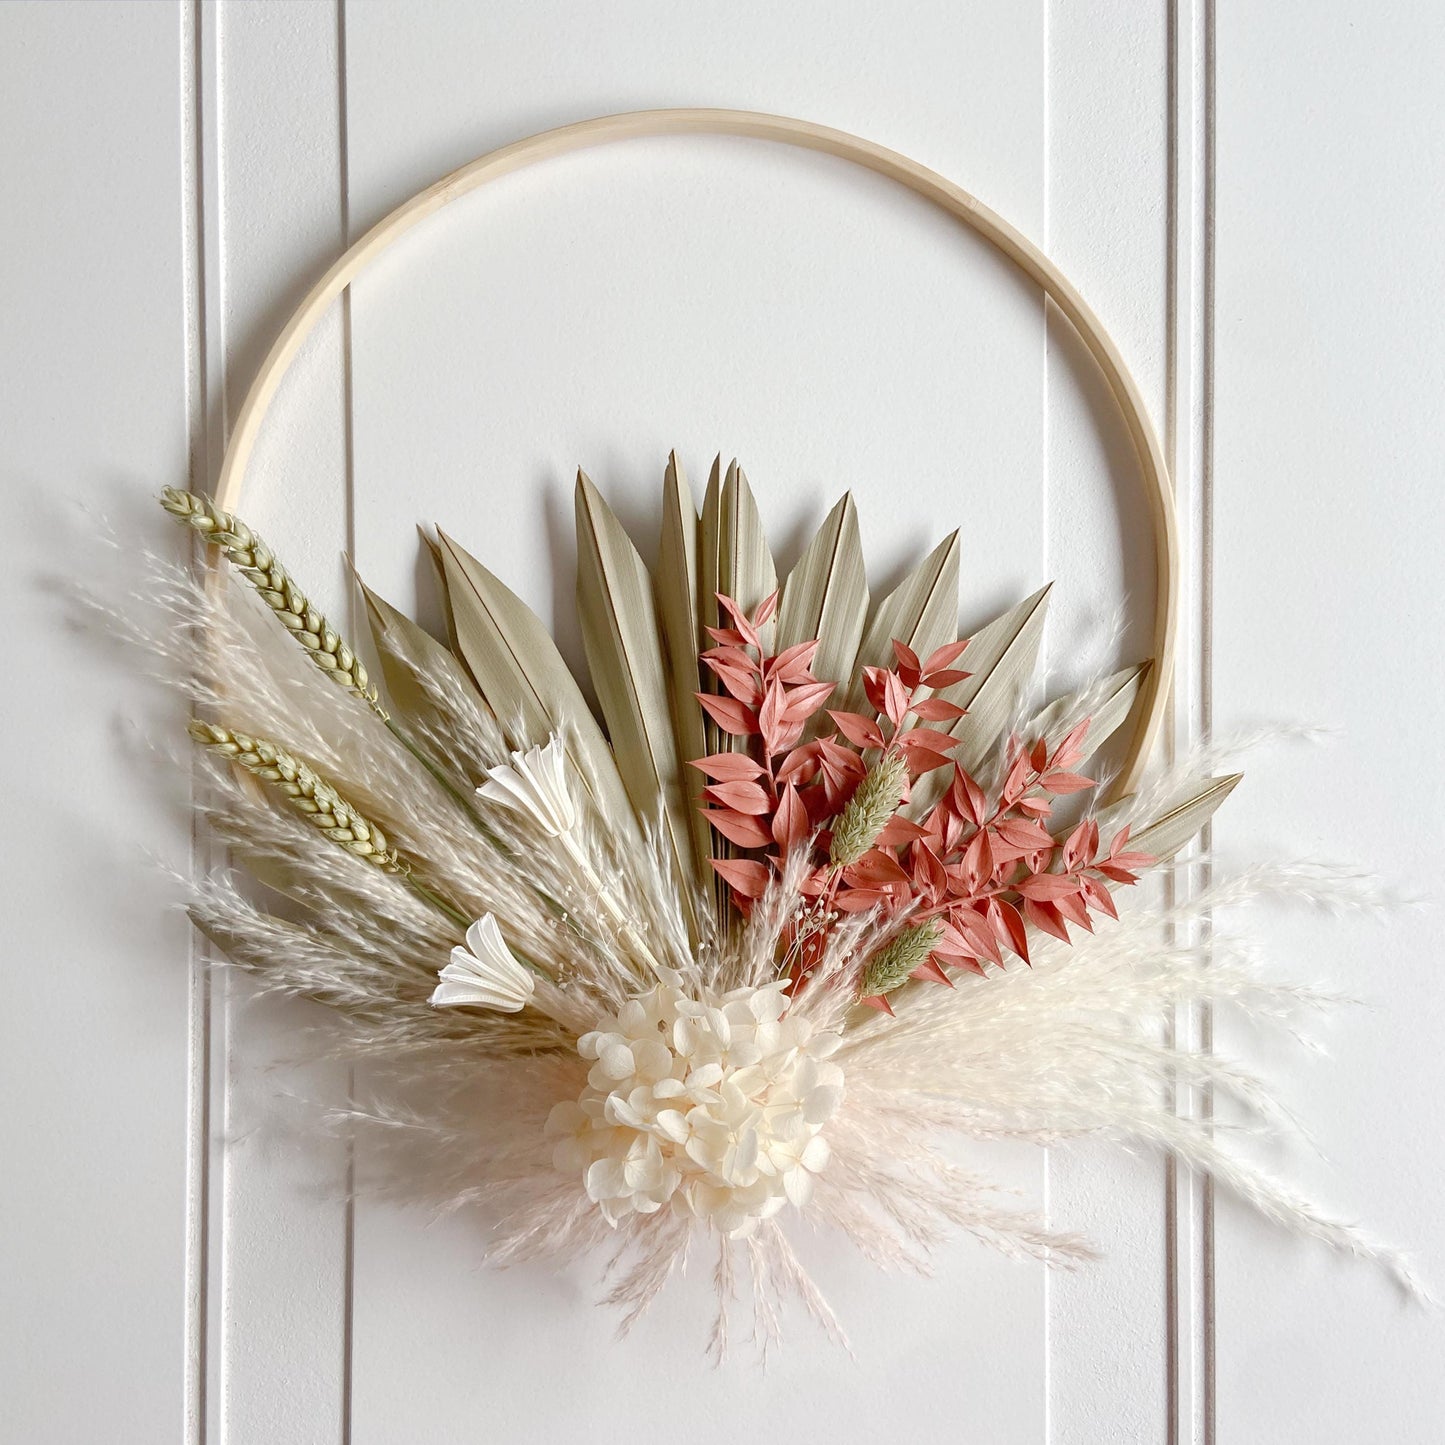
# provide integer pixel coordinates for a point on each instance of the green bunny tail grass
(874, 802)
(891, 968)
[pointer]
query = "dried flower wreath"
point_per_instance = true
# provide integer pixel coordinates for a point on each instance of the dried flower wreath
(744, 955)
(814, 890)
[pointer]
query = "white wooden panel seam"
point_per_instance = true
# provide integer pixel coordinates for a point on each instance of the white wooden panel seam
(1190, 1198)
(207, 1085)
(348, 1305)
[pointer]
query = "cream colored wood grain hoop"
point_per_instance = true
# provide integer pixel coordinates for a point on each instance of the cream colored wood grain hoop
(933, 187)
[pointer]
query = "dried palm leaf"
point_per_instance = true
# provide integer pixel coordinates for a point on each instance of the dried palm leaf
(621, 635)
(826, 595)
(922, 611)
(675, 590)
(527, 685)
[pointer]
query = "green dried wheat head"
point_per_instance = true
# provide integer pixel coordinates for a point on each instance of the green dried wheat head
(250, 555)
(314, 798)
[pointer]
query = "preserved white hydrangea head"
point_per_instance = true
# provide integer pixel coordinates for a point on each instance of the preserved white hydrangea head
(714, 1109)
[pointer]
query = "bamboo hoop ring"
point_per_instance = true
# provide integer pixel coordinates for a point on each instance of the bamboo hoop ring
(948, 197)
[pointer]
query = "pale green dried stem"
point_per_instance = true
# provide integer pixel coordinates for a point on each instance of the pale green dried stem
(327, 649)
(319, 803)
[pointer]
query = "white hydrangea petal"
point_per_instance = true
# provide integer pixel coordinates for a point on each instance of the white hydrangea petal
(798, 1185)
(673, 1125)
(822, 1103)
(616, 1061)
(816, 1154)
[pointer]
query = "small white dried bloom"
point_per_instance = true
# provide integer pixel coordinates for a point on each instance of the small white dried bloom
(712, 1108)
(534, 784)
(484, 973)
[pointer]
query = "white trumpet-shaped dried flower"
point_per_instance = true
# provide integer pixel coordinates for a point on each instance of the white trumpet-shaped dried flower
(534, 784)
(484, 973)
(713, 1108)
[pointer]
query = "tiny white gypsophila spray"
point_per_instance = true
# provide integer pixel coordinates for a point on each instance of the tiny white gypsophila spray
(484, 973)
(534, 784)
(714, 1108)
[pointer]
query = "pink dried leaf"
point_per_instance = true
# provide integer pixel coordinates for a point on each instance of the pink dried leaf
(726, 636)
(858, 900)
(938, 709)
(731, 715)
(790, 822)
(793, 664)
(968, 798)
(742, 797)
(910, 670)
(898, 831)
(930, 971)
(1046, 917)
(942, 657)
(728, 767)
(1016, 780)
(886, 692)
(1075, 910)
(740, 620)
(861, 731)
(926, 738)
(1023, 834)
(770, 718)
(746, 876)
(1099, 897)
(1062, 784)
(946, 677)
(740, 682)
(805, 699)
(1071, 750)
(1008, 926)
(876, 868)
(921, 760)
(739, 828)
(801, 765)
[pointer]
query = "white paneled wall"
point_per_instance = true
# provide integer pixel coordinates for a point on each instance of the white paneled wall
(1248, 198)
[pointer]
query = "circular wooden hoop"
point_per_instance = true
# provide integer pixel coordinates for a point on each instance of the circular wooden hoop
(919, 179)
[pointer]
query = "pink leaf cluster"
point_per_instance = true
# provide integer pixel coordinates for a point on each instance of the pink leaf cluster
(987, 869)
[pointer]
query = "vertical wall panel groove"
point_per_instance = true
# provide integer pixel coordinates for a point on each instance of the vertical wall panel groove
(210, 990)
(1045, 571)
(348, 1305)
(193, 137)
(1189, 1200)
